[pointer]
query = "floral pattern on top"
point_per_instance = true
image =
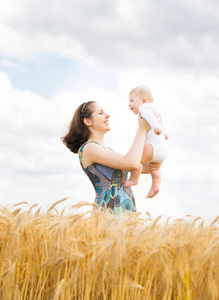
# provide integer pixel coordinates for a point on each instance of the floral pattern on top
(108, 185)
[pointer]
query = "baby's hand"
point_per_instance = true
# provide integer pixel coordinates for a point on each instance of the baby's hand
(158, 130)
(166, 136)
(159, 118)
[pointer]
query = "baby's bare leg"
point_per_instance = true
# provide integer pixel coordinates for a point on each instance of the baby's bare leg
(156, 178)
(147, 153)
(145, 169)
(146, 156)
(133, 180)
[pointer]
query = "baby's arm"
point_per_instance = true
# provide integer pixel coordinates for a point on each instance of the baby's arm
(148, 114)
(164, 132)
(160, 121)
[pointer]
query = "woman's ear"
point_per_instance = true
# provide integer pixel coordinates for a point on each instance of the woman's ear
(87, 122)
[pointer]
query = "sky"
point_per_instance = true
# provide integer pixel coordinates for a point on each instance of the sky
(54, 55)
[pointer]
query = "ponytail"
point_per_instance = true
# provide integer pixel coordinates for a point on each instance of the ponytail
(78, 133)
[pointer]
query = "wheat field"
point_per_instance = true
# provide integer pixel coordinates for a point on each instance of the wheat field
(62, 256)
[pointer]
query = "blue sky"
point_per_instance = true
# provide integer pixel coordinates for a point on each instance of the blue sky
(55, 56)
(47, 75)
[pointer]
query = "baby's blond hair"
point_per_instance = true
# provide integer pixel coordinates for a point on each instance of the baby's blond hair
(142, 92)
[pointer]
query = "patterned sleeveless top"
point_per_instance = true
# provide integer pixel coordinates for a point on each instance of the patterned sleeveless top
(108, 185)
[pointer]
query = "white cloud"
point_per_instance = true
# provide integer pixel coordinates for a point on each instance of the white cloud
(171, 46)
(33, 160)
(37, 168)
(190, 107)
(9, 63)
(116, 34)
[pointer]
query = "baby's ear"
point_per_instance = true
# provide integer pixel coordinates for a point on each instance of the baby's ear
(144, 100)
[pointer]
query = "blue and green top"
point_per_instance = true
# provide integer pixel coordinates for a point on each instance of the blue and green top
(108, 185)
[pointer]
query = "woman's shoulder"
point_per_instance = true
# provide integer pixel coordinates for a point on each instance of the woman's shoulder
(91, 151)
(89, 145)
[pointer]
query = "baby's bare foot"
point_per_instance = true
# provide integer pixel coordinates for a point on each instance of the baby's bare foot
(158, 130)
(130, 182)
(153, 192)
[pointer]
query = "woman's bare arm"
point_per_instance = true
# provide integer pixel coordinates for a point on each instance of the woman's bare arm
(94, 153)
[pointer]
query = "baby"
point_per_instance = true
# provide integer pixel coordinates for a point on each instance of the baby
(155, 148)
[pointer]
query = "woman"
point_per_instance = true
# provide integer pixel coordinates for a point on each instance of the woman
(106, 169)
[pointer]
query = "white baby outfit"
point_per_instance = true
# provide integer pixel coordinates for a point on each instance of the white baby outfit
(158, 142)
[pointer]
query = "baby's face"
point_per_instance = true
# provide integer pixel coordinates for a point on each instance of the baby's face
(134, 103)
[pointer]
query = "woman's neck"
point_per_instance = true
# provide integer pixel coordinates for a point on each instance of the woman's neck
(97, 137)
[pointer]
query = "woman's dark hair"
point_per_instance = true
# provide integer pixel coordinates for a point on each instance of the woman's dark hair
(78, 133)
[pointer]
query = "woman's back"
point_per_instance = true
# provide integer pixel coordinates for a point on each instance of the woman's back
(108, 185)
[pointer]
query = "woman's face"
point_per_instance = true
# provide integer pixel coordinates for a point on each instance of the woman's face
(100, 119)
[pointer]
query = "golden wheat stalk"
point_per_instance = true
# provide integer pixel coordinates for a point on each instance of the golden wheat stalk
(73, 256)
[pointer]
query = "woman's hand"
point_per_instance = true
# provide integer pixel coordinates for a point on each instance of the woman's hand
(142, 123)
